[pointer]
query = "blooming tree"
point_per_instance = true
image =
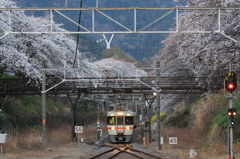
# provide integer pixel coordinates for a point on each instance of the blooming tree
(23, 54)
(201, 55)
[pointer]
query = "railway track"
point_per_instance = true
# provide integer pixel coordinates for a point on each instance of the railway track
(124, 151)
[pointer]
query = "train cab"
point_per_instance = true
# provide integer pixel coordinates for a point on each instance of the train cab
(120, 125)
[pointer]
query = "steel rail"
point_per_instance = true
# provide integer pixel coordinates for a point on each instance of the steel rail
(109, 150)
(132, 149)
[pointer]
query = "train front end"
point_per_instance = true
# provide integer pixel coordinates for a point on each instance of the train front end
(120, 125)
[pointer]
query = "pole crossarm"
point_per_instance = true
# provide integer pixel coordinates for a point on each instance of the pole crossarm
(94, 15)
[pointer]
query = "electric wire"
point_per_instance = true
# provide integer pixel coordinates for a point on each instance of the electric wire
(78, 35)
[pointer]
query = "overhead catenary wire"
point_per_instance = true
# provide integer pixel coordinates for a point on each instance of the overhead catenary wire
(78, 35)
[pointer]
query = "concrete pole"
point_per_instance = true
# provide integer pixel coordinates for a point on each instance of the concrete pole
(44, 121)
(158, 104)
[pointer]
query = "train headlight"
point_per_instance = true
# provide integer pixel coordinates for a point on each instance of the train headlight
(120, 113)
(113, 128)
(128, 128)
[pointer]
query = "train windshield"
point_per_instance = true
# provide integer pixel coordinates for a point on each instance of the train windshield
(129, 120)
(120, 120)
(111, 120)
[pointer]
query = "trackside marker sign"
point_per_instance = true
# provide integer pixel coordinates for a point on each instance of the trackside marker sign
(172, 140)
(78, 129)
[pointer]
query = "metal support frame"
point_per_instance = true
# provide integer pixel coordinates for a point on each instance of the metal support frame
(93, 29)
(158, 105)
(73, 110)
(44, 120)
(150, 103)
(98, 119)
(98, 79)
(230, 128)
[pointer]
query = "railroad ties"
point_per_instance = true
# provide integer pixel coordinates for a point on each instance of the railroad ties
(126, 151)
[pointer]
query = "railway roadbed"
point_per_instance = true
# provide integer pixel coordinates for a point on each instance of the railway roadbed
(131, 152)
(87, 151)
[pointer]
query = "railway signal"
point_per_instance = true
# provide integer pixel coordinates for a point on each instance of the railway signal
(231, 113)
(230, 81)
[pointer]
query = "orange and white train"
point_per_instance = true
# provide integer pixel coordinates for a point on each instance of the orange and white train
(121, 125)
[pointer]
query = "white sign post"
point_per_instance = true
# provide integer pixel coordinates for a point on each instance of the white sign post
(78, 130)
(172, 140)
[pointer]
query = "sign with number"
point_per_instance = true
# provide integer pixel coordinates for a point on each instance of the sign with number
(78, 129)
(172, 140)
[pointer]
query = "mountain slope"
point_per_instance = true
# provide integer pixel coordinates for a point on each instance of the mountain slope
(139, 46)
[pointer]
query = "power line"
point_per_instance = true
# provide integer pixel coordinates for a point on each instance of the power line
(79, 22)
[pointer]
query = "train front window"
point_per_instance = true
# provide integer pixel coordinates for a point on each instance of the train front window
(129, 120)
(120, 120)
(111, 120)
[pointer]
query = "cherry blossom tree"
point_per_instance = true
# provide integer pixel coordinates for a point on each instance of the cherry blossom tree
(115, 68)
(202, 55)
(23, 54)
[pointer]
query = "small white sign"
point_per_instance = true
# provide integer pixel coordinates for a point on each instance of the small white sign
(172, 140)
(3, 138)
(78, 129)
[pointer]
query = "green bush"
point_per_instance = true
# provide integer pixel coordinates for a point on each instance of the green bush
(222, 119)
(26, 111)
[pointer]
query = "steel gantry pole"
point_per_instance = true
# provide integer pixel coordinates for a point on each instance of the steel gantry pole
(158, 103)
(44, 141)
(230, 127)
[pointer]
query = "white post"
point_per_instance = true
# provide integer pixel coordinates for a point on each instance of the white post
(79, 141)
(1, 152)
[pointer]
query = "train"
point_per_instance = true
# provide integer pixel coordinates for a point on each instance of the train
(121, 125)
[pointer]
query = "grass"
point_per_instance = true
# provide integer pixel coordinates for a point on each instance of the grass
(222, 118)
(205, 130)
(31, 139)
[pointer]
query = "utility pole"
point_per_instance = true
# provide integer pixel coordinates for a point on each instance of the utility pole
(158, 103)
(44, 121)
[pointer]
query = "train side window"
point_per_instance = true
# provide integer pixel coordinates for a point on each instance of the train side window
(128, 120)
(111, 120)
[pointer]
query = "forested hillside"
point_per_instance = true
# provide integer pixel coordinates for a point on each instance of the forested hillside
(139, 46)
